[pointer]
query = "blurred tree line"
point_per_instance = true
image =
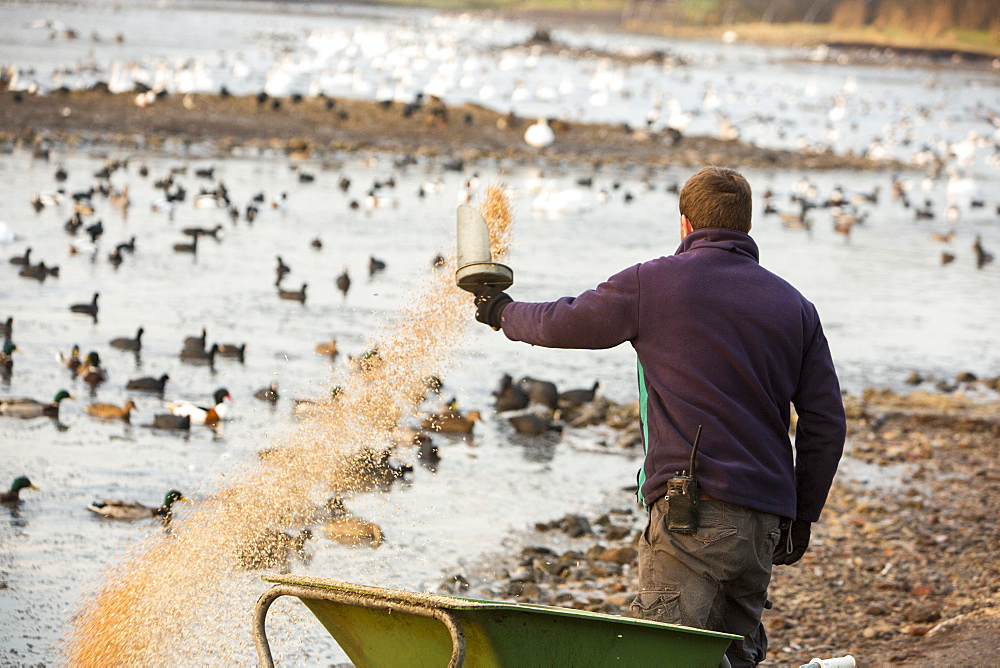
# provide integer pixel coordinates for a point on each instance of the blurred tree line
(928, 17)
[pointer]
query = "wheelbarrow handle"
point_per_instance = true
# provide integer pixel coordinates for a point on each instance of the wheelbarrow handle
(265, 659)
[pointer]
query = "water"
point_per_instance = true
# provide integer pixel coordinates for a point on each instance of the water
(888, 305)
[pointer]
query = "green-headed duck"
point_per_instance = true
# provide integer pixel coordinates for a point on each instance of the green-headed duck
(26, 408)
(14, 495)
(133, 510)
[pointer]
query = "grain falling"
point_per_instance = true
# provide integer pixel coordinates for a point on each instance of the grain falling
(172, 597)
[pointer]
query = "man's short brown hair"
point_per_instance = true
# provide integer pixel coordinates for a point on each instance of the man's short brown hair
(717, 197)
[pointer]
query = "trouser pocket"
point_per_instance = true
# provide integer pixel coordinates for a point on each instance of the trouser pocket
(658, 605)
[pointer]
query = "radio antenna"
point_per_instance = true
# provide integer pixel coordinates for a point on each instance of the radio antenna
(694, 449)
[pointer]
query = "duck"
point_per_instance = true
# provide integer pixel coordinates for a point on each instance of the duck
(375, 468)
(347, 529)
(509, 397)
(375, 265)
(206, 415)
(541, 392)
(452, 422)
(294, 295)
(196, 342)
(125, 343)
(327, 349)
(133, 510)
(281, 270)
(187, 247)
(530, 424)
(7, 328)
(91, 371)
(268, 394)
(14, 494)
(148, 384)
(344, 282)
(23, 260)
(172, 422)
(233, 351)
(26, 408)
(73, 361)
(983, 257)
(271, 548)
(7, 355)
(576, 398)
(112, 411)
(87, 309)
(196, 356)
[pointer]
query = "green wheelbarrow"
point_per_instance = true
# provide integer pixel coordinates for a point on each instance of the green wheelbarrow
(380, 628)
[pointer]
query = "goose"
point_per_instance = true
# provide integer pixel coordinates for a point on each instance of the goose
(294, 295)
(148, 384)
(112, 411)
(539, 134)
(14, 495)
(133, 510)
(26, 408)
(206, 415)
(124, 343)
(87, 309)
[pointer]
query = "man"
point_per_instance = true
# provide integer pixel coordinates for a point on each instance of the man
(726, 346)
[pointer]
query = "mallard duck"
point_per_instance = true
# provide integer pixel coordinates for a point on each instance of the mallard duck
(26, 408)
(111, 411)
(7, 328)
(452, 422)
(87, 309)
(206, 415)
(148, 384)
(7, 355)
(14, 495)
(133, 510)
(73, 361)
(125, 343)
(327, 349)
(346, 529)
(272, 548)
(91, 371)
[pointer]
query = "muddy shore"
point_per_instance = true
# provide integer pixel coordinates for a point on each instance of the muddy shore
(319, 127)
(901, 569)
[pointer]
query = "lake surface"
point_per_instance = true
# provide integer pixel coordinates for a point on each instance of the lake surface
(889, 305)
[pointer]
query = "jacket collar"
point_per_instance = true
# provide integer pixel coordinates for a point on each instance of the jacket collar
(721, 238)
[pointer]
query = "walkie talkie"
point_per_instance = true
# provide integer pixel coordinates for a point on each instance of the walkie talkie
(682, 496)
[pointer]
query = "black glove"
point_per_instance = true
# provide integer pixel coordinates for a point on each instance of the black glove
(490, 304)
(792, 543)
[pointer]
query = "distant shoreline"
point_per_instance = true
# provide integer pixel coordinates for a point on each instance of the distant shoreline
(323, 126)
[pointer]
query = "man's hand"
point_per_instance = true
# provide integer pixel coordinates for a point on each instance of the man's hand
(792, 543)
(490, 304)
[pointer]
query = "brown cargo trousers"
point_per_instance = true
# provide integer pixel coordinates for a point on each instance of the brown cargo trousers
(715, 578)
